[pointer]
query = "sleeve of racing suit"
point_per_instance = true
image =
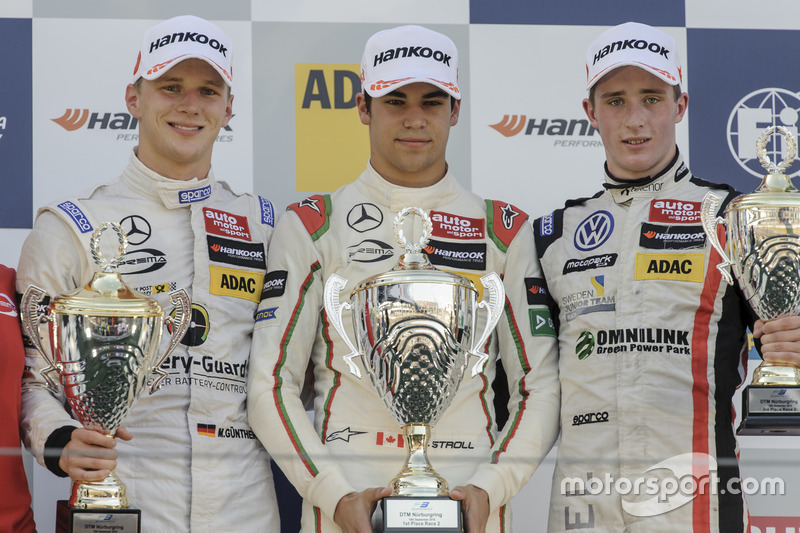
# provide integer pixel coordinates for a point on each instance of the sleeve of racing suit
(530, 357)
(52, 260)
(279, 357)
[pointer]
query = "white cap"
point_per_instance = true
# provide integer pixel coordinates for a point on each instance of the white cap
(169, 42)
(409, 54)
(633, 44)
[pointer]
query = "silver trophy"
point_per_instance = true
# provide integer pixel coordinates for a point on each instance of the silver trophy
(763, 250)
(105, 340)
(415, 331)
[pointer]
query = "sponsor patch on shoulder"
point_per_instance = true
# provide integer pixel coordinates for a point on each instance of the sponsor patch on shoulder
(77, 216)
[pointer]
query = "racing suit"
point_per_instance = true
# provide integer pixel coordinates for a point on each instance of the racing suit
(354, 443)
(652, 345)
(193, 463)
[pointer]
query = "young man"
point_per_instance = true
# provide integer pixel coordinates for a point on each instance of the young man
(198, 234)
(651, 340)
(341, 465)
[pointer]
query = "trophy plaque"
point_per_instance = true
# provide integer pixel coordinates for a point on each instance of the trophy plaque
(415, 330)
(105, 340)
(763, 250)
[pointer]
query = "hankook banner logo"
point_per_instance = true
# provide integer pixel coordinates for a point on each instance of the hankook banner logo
(564, 132)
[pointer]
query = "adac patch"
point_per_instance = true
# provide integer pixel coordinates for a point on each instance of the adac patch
(314, 213)
(504, 221)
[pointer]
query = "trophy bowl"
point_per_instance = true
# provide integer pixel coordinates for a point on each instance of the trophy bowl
(105, 340)
(415, 329)
(763, 251)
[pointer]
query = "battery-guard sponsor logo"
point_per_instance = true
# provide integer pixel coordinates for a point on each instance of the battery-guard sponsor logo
(122, 123)
(590, 418)
(656, 237)
(542, 324)
(673, 267)
(587, 301)
(536, 291)
(594, 231)
(751, 115)
(199, 326)
(457, 255)
(236, 283)
(457, 227)
(264, 315)
(212, 431)
(369, 251)
(194, 195)
(267, 211)
(566, 133)
(589, 263)
(236, 252)
(657, 340)
(274, 284)
(546, 225)
(226, 224)
(77, 216)
(674, 211)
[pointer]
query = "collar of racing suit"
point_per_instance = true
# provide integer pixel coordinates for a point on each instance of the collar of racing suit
(623, 191)
(153, 185)
(397, 197)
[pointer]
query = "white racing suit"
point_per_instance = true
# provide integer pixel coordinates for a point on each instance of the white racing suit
(193, 463)
(354, 443)
(652, 345)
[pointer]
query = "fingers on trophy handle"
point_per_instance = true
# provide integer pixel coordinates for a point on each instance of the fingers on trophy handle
(334, 308)
(31, 318)
(180, 324)
(710, 221)
(494, 296)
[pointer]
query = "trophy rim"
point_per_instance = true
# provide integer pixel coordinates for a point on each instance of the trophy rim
(765, 199)
(410, 277)
(105, 295)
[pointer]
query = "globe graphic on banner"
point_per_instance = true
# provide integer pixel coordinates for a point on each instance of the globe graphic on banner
(751, 116)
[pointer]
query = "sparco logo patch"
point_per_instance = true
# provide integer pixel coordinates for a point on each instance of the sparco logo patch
(594, 231)
(77, 216)
(457, 255)
(267, 211)
(236, 253)
(675, 267)
(274, 284)
(226, 224)
(194, 195)
(536, 290)
(674, 211)
(655, 237)
(457, 227)
(589, 263)
(590, 418)
(237, 283)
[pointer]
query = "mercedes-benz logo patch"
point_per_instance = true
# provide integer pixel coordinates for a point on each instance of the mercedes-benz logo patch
(136, 228)
(364, 217)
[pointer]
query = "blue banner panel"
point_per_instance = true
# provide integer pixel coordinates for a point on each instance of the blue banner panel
(16, 147)
(738, 88)
(576, 12)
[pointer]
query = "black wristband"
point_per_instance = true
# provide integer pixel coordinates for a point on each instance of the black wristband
(54, 446)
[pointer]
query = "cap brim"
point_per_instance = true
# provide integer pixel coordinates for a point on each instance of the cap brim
(648, 68)
(167, 65)
(384, 87)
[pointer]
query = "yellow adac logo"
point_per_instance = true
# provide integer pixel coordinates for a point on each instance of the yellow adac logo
(237, 283)
(328, 132)
(676, 267)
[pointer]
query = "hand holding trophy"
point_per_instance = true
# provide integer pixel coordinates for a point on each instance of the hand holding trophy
(415, 330)
(763, 250)
(105, 341)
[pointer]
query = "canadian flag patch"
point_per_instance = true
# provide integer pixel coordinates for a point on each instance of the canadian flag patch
(390, 439)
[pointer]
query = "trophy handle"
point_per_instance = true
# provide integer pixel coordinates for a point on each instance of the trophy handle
(31, 318)
(180, 323)
(333, 307)
(710, 221)
(496, 300)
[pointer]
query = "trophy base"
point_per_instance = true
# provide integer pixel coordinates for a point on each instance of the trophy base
(409, 514)
(69, 520)
(770, 410)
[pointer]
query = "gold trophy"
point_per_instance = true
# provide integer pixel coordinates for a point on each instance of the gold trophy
(763, 250)
(415, 328)
(105, 341)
